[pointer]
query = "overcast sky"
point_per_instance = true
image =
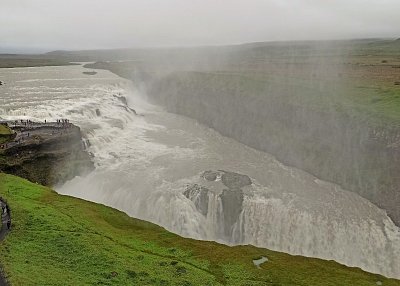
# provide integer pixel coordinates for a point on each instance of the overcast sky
(84, 24)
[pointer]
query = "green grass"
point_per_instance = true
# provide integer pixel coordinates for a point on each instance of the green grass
(5, 134)
(4, 130)
(60, 240)
(377, 102)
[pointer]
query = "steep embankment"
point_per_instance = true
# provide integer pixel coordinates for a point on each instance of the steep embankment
(50, 155)
(60, 240)
(335, 142)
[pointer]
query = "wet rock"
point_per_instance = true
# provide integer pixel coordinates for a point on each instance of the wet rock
(210, 175)
(98, 112)
(90, 72)
(232, 205)
(199, 196)
(127, 108)
(121, 98)
(51, 156)
(234, 180)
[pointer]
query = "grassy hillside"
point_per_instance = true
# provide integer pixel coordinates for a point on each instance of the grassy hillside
(5, 133)
(4, 130)
(60, 240)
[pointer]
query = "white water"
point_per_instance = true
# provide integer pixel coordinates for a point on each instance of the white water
(144, 163)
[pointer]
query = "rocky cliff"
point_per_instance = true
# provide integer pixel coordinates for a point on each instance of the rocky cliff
(334, 113)
(47, 155)
(333, 144)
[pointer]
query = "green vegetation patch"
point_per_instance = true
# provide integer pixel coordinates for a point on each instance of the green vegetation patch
(60, 240)
(4, 130)
(5, 133)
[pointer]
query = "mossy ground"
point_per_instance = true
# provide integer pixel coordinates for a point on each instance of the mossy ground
(4, 130)
(60, 240)
(5, 133)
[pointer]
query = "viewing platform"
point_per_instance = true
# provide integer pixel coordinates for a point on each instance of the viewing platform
(26, 132)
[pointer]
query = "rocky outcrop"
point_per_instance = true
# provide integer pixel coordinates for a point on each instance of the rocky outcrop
(199, 196)
(49, 156)
(232, 205)
(89, 72)
(227, 191)
(234, 180)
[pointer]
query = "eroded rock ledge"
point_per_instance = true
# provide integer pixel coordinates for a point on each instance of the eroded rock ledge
(48, 154)
(230, 197)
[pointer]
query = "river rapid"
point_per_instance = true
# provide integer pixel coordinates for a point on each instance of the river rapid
(146, 161)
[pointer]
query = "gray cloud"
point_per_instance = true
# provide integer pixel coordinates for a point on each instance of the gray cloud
(83, 24)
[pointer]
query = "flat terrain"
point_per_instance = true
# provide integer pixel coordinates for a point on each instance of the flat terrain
(29, 61)
(60, 240)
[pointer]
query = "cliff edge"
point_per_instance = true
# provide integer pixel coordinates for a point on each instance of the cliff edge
(44, 153)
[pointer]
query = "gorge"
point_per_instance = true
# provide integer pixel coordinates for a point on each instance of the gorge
(313, 177)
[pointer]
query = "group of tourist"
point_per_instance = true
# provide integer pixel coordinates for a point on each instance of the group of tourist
(23, 122)
(28, 124)
(62, 121)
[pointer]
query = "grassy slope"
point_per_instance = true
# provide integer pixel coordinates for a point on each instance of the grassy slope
(5, 133)
(4, 130)
(60, 240)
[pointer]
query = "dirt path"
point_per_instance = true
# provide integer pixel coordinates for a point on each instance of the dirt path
(3, 232)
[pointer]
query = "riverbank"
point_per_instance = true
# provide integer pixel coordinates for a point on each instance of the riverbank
(59, 239)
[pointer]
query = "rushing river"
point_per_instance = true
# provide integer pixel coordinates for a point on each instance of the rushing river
(145, 162)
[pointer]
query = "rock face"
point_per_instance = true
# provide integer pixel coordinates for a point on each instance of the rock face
(90, 72)
(232, 205)
(210, 175)
(199, 196)
(235, 180)
(49, 155)
(225, 188)
(332, 144)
